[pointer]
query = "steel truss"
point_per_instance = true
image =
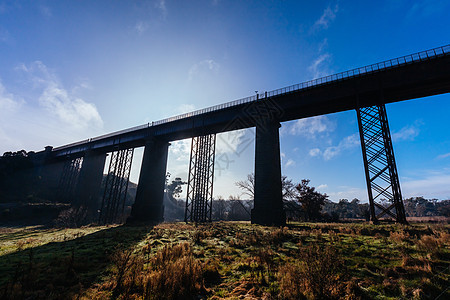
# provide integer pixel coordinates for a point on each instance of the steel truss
(116, 186)
(379, 164)
(69, 178)
(200, 179)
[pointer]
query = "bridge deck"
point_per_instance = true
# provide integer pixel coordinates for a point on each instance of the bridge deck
(413, 76)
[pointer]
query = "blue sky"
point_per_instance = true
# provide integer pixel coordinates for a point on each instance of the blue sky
(71, 70)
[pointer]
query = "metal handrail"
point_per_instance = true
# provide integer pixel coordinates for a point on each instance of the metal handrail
(377, 67)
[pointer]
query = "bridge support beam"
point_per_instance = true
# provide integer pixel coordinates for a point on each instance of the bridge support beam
(148, 206)
(69, 179)
(268, 203)
(379, 165)
(89, 182)
(201, 179)
(116, 187)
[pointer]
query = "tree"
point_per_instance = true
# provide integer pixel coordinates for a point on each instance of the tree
(311, 200)
(248, 186)
(288, 189)
(174, 189)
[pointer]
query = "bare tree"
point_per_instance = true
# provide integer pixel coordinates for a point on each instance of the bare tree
(248, 186)
(289, 192)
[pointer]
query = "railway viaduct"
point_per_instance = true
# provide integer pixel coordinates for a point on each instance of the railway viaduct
(76, 169)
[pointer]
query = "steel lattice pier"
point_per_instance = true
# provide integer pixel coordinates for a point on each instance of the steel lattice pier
(200, 179)
(69, 178)
(379, 164)
(116, 186)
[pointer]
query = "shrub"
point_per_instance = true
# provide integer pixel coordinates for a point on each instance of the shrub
(175, 274)
(73, 218)
(289, 278)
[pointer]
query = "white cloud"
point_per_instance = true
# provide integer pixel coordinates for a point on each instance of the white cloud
(68, 108)
(205, 66)
(318, 67)
(311, 127)
(322, 186)
(442, 156)
(347, 143)
(328, 15)
(185, 108)
(161, 5)
(235, 142)
(314, 152)
(434, 184)
(289, 163)
(407, 133)
(180, 150)
(348, 192)
(7, 102)
(141, 27)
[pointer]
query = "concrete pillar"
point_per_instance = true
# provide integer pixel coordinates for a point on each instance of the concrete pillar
(47, 171)
(148, 206)
(268, 204)
(87, 192)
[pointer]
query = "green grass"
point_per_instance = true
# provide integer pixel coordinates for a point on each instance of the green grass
(229, 260)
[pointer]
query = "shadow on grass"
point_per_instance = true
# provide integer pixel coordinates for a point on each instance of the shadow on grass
(60, 270)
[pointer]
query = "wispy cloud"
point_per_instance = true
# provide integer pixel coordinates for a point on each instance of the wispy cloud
(289, 163)
(161, 5)
(322, 186)
(8, 103)
(235, 142)
(311, 127)
(328, 153)
(185, 108)
(56, 100)
(443, 156)
(433, 184)
(319, 67)
(207, 65)
(426, 8)
(347, 143)
(328, 16)
(141, 27)
(314, 152)
(348, 192)
(407, 133)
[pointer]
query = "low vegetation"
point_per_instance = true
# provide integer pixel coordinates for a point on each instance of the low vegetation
(233, 260)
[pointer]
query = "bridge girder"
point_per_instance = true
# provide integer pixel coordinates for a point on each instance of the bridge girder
(379, 164)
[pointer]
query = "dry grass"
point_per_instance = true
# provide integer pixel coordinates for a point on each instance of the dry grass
(229, 260)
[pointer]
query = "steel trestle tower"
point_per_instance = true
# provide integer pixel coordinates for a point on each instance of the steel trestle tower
(116, 186)
(69, 179)
(379, 164)
(200, 179)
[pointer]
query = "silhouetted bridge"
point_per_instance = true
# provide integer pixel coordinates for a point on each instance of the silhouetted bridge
(76, 169)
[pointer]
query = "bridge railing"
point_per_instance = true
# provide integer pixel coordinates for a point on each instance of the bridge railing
(377, 67)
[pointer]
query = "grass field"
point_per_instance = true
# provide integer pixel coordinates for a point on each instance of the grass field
(234, 260)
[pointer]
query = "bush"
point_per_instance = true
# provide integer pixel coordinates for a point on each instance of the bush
(73, 218)
(318, 277)
(175, 274)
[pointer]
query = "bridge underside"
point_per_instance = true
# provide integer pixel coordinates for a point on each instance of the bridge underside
(409, 77)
